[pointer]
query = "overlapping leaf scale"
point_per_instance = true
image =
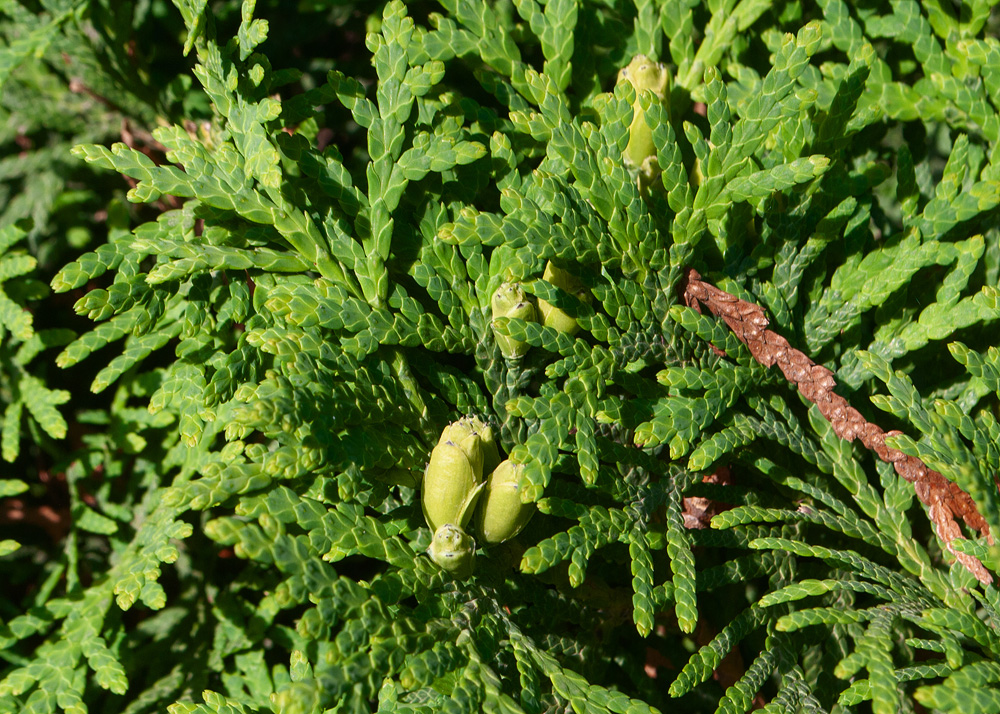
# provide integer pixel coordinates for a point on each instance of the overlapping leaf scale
(364, 652)
(581, 694)
(861, 284)
(571, 147)
(851, 527)
(768, 107)
(183, 390)
(284, 342)
(423, 668)
(153, 180)
(50, 684)
(240, 366)
(598, 527)
(736, 570)
(793, 262)
(135, 575)
(624, 303)
(189, 259)
(967, 690)
(220, 482)
(794, 692)
(711, 331)
(861, 689)
(351, 532)
(116, 328)
(677, 420)
(452, 385)
(41, 403)
(453, 306)
(546, 338)
(942, 318)
(595, 361)
(332, 419)
(406, 324)
(740, 696)
(703, 662)
(812, 587)
(214, 703)
(136, 350)
(575, 689)
(58, 673)
(965, 624)
(741, 432)
(775, 424)
(246, 118)
(846, 558)
(682, 568)
(873, 651)
(944, 448)
(643, 604)
(487, 35)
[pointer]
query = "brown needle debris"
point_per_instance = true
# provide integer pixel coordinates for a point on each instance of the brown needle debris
(945, 500)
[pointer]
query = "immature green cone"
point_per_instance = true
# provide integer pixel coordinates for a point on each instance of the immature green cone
(510, 300)
(644, 73)
(552, 316)
(453, 550)
(454, 476)
(501, 515)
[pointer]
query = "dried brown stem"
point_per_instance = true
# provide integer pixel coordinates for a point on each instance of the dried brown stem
(945, 500)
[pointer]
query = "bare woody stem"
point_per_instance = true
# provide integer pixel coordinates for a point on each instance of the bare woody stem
(944, 499)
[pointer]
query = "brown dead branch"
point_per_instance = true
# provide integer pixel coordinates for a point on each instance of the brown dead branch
(945, 500)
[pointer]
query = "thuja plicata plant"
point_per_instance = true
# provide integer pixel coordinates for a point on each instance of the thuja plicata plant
(530, 356)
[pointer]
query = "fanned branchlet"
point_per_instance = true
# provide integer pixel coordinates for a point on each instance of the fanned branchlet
(29, 399)
(341, 258)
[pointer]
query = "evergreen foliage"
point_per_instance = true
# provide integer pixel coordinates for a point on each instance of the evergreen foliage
(283, 248)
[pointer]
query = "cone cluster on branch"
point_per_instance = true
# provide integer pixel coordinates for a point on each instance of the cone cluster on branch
(464, 478)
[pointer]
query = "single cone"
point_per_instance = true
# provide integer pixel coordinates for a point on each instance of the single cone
(553, 316)
(510, 300)
(640, 153)
(501, 514)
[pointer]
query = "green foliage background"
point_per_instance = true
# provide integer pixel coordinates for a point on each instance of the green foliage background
(281, 275)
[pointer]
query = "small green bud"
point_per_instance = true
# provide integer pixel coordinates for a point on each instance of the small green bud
(643, 73)
(510, 300)
(552, 316)
(501, 514)
(296, 698)
(453, 550)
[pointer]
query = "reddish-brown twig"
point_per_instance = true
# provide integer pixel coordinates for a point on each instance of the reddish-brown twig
(945, 500)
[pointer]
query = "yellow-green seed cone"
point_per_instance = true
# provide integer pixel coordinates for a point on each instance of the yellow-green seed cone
(510, 300)
(552, 316)
(450, 482)
(643, 73)
(501, 515)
